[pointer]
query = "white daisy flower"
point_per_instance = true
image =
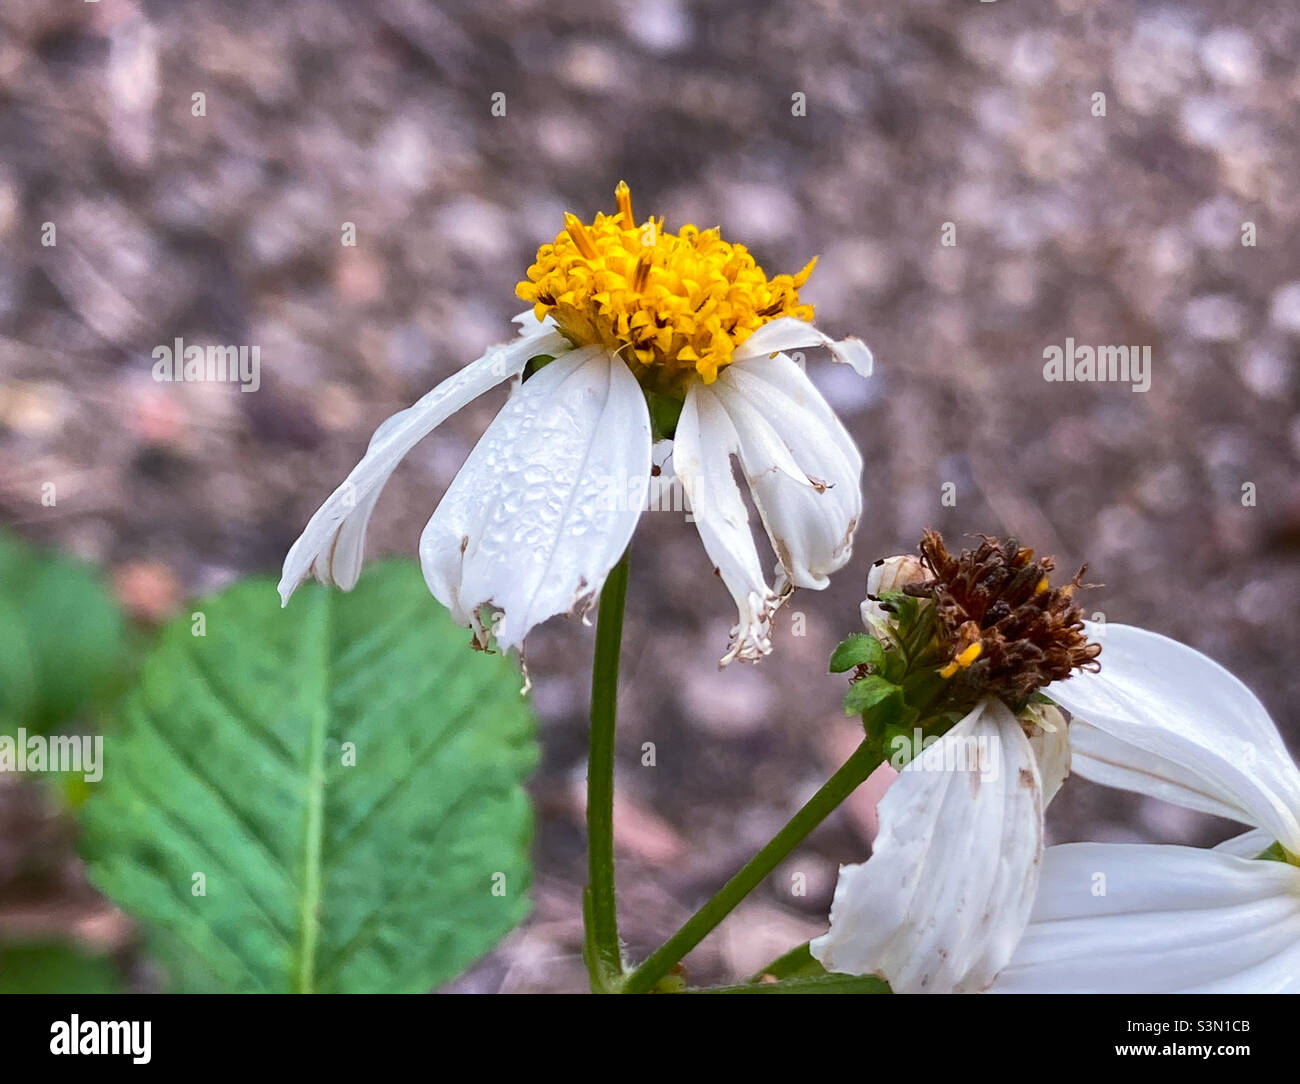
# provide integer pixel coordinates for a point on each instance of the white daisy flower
(628, 322)
(1163, 720)
(941, 904)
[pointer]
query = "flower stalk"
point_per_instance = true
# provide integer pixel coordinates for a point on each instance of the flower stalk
(602, 951)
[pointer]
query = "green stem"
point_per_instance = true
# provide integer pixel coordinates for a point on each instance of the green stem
(844, 782)
(604, 954)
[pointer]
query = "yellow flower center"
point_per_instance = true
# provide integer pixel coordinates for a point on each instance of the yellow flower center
(669, 304)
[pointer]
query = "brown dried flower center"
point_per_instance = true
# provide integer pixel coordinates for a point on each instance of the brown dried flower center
(1000, 623)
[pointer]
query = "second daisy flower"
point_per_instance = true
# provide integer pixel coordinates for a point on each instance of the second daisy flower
(635, 334)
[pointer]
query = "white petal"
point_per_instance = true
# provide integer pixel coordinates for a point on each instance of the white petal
(332, 543)
(1247, 845)
(788, 333)
(1164, 720)
(941, 903)
(802, 466)
(892, 574)
(888, 576)
(758, 438)
(789, 385)
(702, 449)
(1116, 918)
(548, 499)
(530, 325)
(875, 618)
(1105, 758)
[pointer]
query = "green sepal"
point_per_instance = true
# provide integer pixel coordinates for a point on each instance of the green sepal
(665, 410)
(895, 667)
(904, 608)
(923, 687)
(537, 364)
(1274, 852)
(894, 714)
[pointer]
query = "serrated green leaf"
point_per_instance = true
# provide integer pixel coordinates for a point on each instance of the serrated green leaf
(319, 876)
(17, 670)
(55, 969)
(63, 637)
(865, 693)
(858, 650)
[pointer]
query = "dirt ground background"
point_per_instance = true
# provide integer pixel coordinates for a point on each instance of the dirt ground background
(1123, 228)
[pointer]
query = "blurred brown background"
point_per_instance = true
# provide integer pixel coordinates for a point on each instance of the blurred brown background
(226, 229)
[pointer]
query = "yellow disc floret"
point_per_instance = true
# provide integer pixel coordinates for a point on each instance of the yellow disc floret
(670, 304)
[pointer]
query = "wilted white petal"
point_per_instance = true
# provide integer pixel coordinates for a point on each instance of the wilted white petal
(548, 499)
(703, 446)
(787, 384)
(1117, 918)
(802, 466)
(942, 902)
(1164, 720)
(759, 440)
(332, 543)
(789, 333)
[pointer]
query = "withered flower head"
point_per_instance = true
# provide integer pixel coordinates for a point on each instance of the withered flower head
(999, 623)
